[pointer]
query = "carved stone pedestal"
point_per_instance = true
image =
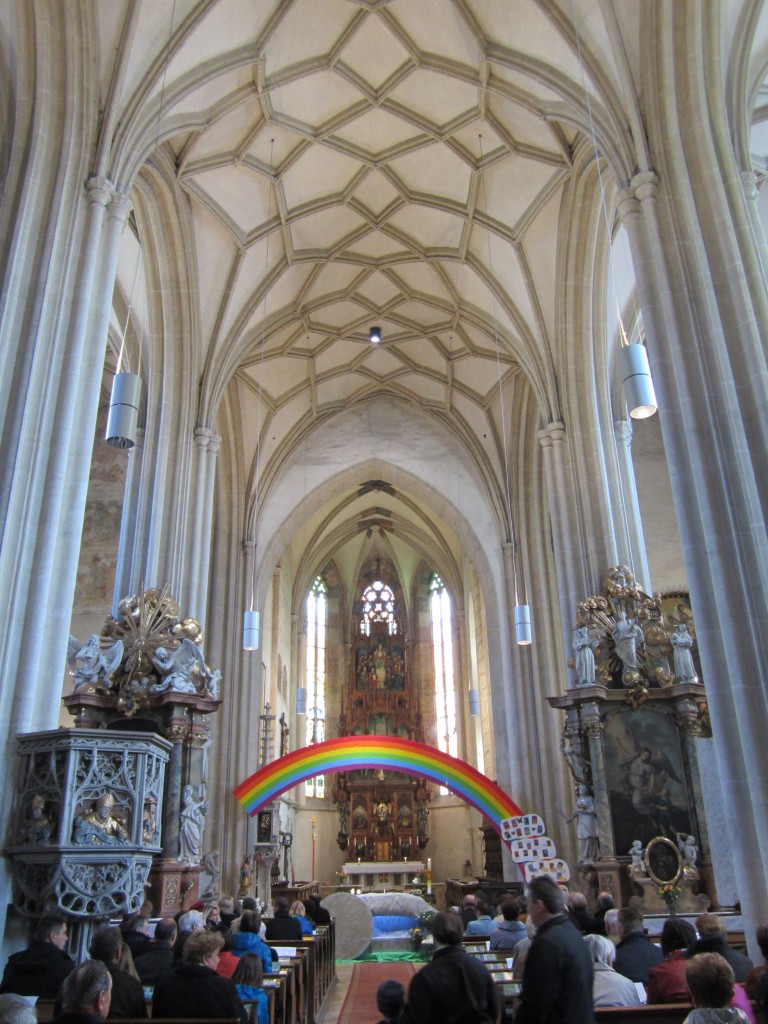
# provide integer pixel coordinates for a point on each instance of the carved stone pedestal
(650, 902)
(173, 887)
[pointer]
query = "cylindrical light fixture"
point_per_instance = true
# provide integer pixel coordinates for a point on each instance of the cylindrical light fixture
(638, 385)
(251, 631)
(474, 702)
(301, 700)
(123, 416)
(522, 624)
(374, 335)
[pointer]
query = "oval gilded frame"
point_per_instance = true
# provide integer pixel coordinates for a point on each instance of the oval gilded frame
(662, 845)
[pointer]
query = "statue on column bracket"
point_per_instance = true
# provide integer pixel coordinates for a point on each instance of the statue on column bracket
(192, 825)
(587, 832)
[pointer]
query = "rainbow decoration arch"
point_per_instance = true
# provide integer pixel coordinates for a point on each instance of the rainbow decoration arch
(350, 752)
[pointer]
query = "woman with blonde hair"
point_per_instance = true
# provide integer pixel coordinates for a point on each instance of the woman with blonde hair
(299, 912)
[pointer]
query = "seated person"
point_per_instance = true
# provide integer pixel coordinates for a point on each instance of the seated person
(159, 957)
(666, 981)
(752, 984)
(390, 1000)
(298, 912)
(248, 939)
(484, 923)
(192, 988)
(135, 929)
(710, 982)
(85, 994)
(228, 961)
(248, 979)
(577, 909)
(40, 969)
(510, 931)
(16, 1010)
(282, 925)
(712, 939)
(127, 992)
(316, 913)
(635, 953)
(608, 987)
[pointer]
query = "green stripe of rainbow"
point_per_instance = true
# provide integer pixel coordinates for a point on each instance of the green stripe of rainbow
(349, 752)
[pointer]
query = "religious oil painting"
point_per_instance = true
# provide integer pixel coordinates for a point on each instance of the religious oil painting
(647, 787)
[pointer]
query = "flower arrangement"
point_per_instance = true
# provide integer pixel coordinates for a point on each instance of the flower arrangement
(416, 936)
(670, 893)
(342, 877)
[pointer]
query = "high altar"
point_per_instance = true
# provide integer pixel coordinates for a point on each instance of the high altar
(383, 815)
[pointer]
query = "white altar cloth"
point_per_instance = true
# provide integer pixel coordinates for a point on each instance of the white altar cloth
(382, 874)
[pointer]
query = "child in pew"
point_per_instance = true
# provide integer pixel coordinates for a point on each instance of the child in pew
(390, 999)
(248, 978)
(710, 982)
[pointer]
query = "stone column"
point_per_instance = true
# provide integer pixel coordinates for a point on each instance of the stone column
(193, 599)
(123, 570)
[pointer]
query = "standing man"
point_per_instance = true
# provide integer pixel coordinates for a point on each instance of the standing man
(454, 987)
(40, 969)
(557, 981)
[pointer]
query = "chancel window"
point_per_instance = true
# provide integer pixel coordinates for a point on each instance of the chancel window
(378, 606)
(442, 648)
(317, 620)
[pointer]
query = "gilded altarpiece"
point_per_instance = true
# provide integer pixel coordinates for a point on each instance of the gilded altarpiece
(383, 815)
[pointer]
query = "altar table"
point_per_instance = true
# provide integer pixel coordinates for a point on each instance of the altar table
(382, 874)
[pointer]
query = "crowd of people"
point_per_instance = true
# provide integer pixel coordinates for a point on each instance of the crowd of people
(570, 961)
(208, 962)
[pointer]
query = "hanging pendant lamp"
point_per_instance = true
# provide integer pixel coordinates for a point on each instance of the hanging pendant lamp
(123, 419)
(251, 631)
(638, 384)
(301, 700)
(523, 624)
(474, 703)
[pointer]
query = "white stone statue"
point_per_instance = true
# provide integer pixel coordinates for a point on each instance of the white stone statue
(193, 812)
(585, 660)
(97, 663)
(586, 826)
(682, 642)
(183, 670)
(626, 634)
(688, 850)
(637, 868)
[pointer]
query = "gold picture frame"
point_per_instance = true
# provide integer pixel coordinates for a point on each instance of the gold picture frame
(661, 856)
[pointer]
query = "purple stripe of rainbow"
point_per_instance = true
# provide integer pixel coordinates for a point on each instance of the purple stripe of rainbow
(350, 752)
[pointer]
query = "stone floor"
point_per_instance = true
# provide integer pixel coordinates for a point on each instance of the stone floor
(336, 998)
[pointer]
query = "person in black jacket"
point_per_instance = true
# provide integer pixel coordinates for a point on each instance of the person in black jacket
(712, 939)
(454, 987)
(557, 980)
(159, 957)
(127, 992)
(192, 988)
(282, 925)
(40, 969)
(635, 953)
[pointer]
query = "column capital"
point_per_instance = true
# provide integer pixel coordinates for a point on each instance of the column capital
(119, 207)
(214, 443)
(553, 433)
(249, 546)
(749, 185)
(645, 185)
(202, 436)
(99, 190)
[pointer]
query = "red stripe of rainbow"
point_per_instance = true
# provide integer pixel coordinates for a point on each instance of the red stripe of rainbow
(349, 752)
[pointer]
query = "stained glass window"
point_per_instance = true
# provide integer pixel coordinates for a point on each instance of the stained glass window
(378, 606)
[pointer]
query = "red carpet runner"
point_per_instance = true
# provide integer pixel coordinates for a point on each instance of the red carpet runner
(360, 1003)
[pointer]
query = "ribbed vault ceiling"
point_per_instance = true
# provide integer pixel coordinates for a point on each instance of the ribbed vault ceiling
(357, 162)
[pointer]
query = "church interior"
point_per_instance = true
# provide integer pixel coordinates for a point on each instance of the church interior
(372, 272)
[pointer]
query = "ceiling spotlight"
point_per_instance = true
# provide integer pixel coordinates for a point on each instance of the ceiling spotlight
(374, 335)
